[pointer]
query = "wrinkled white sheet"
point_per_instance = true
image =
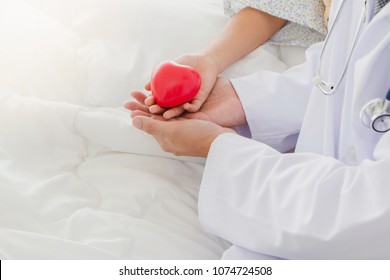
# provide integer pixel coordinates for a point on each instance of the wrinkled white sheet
(77, 181)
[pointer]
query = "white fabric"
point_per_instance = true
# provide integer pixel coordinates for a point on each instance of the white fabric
(330, 198)
(76, 180)
(305, 19)
(235, 252)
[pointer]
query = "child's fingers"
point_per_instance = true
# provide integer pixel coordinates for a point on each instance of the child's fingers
(194, 106)
(155, 109)
(174, 112)
(148, 87)
(149, 101)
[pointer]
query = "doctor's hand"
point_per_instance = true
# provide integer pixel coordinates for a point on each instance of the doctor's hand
(222, 107)
(182, 137)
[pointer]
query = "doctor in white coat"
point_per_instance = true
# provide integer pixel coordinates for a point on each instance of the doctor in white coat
(330, 199)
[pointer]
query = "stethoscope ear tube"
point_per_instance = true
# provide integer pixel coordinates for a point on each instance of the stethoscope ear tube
(325, 88)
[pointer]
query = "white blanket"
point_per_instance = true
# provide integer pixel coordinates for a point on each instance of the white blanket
(77, 181)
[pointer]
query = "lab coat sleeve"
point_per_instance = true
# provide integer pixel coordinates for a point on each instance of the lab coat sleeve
(279, 100)
(297, 206)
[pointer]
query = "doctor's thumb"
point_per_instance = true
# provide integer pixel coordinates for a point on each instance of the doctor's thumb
(145, 123)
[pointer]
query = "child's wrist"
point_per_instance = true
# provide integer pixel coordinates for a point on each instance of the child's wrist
(215, 60)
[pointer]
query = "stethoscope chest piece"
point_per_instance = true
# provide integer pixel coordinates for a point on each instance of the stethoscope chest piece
(375, 114)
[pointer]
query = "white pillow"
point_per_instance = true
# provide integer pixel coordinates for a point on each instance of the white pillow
(94, 52)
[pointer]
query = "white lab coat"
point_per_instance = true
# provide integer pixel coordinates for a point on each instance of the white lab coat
(331, 198)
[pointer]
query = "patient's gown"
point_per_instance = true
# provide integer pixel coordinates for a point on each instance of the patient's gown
(306, 21)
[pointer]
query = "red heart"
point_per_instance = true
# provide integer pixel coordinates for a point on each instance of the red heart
(174, 84)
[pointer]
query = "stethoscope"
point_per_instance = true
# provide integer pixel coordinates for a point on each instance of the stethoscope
(375, 114)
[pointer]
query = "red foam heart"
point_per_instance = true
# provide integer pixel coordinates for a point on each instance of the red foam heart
(174, 84)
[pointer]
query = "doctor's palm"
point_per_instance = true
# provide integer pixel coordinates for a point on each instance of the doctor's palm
(222, 106)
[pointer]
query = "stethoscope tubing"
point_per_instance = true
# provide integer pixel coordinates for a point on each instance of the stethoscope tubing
(328, 88)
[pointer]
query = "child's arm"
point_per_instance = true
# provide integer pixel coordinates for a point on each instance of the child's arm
(327, 4)
(246, 31)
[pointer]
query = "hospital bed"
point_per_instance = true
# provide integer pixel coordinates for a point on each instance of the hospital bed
(77, 181)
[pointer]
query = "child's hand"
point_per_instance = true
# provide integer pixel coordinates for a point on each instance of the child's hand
(222, 107)
(208, 72)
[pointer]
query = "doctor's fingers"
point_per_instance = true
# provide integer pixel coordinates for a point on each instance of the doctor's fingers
(147, 124)
(138, 104)
(139, 96)
(162, 131)
(138, 113)
(135, 106)
(181, 136)
(167, 133)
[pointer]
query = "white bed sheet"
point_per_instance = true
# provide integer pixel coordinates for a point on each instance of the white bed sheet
(77, 181)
